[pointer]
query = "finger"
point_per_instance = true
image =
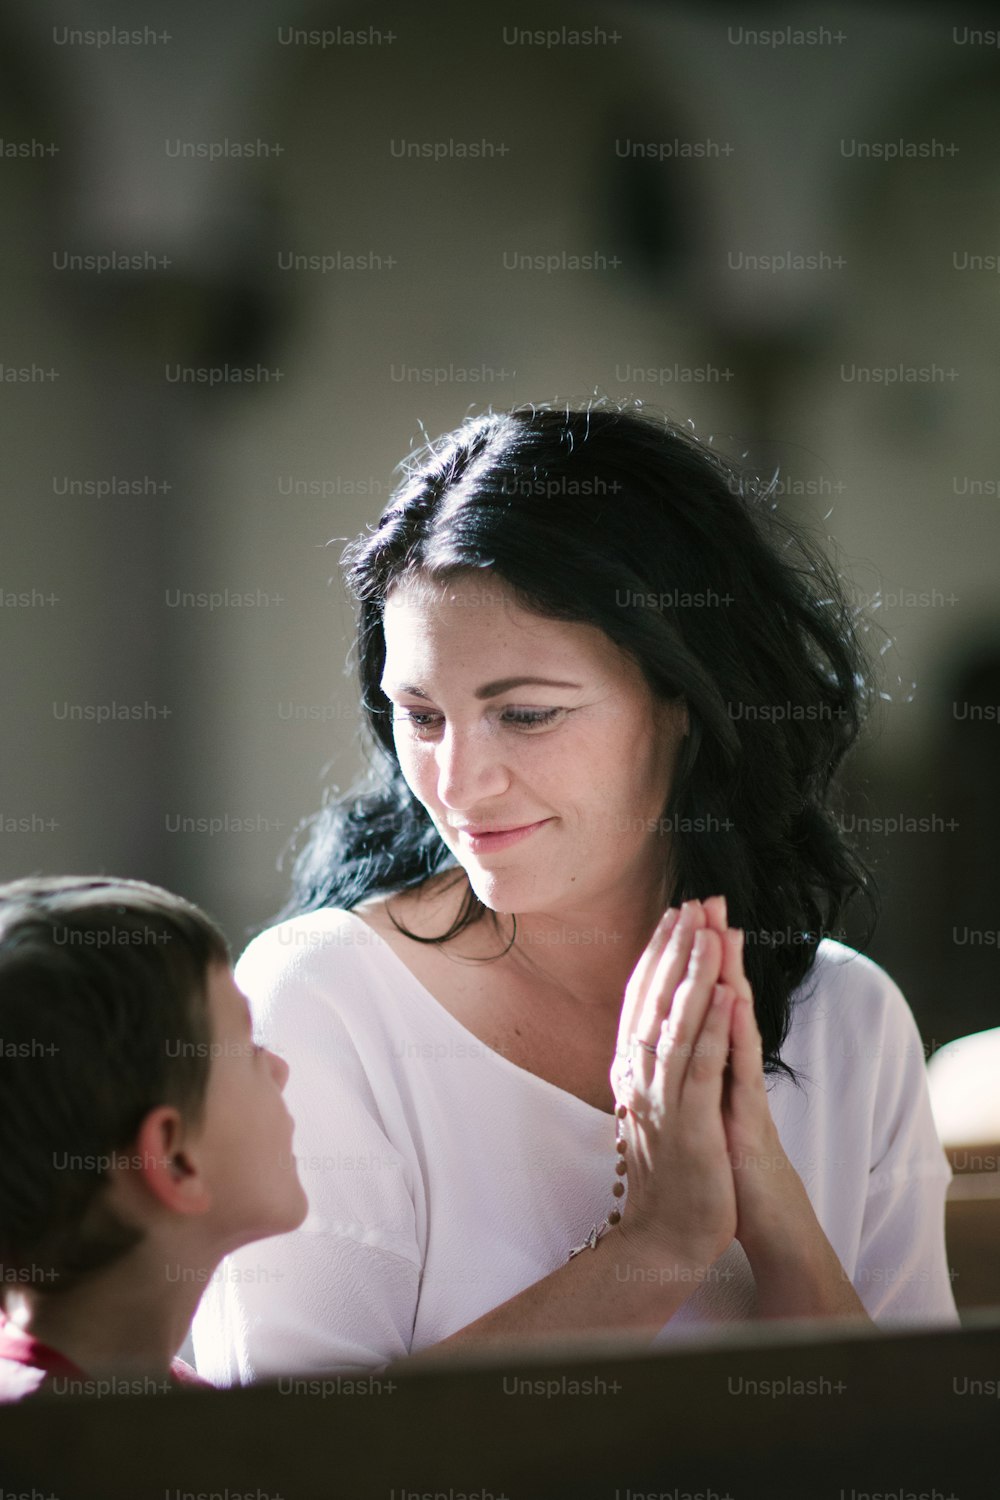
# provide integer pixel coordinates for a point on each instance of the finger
(674, 925)
(733, 970)
(635, 991)
(680, 1030)
(661, 990)
(648, 959)
(746, 1061)
(732, 955)
(703, 1079)
(715, 911)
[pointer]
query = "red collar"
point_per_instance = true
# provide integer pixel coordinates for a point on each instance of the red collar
(24, 1349)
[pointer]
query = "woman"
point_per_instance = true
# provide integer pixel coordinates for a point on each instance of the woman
(605, 682)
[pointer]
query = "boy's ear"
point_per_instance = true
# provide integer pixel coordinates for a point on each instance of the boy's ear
(167, 1164)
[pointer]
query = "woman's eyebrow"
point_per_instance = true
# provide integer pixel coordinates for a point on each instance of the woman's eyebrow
(488, 689)
(504, 685)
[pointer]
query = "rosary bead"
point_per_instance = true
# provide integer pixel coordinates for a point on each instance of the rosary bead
(617, 1188)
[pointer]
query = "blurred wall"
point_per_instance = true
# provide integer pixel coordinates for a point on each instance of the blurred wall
(794, 225)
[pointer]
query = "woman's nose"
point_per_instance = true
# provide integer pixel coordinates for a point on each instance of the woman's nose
(470, 766)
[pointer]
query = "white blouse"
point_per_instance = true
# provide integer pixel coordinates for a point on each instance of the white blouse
(443, 1179)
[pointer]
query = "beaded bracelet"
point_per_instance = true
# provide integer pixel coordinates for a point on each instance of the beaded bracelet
(618, 1188)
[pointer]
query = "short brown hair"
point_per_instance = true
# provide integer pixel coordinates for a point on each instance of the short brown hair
(103, 1017)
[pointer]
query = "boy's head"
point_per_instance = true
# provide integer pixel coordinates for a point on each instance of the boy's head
(128, 1075)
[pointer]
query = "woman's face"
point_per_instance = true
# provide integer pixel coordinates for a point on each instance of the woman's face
(535, 745)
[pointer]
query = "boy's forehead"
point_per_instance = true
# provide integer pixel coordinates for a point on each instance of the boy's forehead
(226, 1000)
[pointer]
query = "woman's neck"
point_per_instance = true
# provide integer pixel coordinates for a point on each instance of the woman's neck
(587, 954)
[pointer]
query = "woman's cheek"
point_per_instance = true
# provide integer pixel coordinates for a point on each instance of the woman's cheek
(420, 771)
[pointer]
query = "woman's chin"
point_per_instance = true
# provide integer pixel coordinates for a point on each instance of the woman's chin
(493, 891)
(511, 891)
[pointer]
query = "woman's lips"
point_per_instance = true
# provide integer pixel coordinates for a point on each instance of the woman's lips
(490, 843)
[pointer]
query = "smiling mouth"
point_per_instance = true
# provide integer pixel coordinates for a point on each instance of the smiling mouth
(483, 841)
(474, 830)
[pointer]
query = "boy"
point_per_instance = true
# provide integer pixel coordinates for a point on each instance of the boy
(143, 1135)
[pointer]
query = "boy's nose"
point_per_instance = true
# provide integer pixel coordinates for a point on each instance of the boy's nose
(280, 1068)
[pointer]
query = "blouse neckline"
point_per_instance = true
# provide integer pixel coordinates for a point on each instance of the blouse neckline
(456, 1025)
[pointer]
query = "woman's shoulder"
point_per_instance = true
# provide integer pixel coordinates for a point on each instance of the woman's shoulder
(292, 944)
(841, 971)
(856, 1007)
(339, 957)
(328, 958)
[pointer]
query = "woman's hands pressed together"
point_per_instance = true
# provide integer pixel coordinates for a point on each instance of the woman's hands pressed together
(770, 1195)
(673, 1044)
(704, 1160)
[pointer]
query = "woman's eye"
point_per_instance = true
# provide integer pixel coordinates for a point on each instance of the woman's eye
(418, 720)
(520, 718)
(530, 718)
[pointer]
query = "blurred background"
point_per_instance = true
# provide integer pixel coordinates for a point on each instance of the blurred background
(254, 252)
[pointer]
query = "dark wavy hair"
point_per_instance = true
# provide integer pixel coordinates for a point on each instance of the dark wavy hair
(625, 521)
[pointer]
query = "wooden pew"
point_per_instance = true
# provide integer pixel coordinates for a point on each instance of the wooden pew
(972, 1225)
(768, 1410)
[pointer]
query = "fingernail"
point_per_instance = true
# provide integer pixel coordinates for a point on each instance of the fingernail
(667, 923)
